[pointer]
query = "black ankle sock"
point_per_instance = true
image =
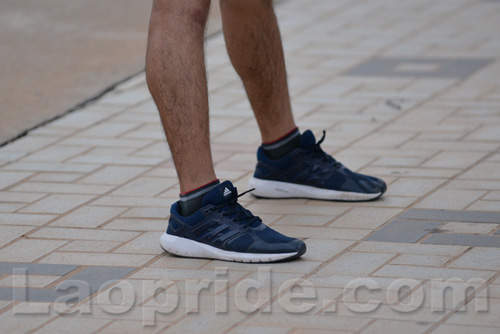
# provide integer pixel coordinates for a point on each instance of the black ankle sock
(284, 145)
(190, 201)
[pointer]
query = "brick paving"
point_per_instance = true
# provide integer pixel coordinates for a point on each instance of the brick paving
(406, 90)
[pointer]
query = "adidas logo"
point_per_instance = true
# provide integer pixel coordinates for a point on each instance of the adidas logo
(227, 192)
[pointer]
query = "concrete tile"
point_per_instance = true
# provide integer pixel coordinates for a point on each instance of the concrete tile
(421, 260)
(97, 246)
(450, 199)
(330, 233)
(82, 234)
(51, 167)
(144, 186)
(454, 159)
(148, 243)
(32, 281)
(136, 326)
(10, 178)
(430, 272)
(113, 175)
(303, 220)
(82, 326)
(419, 67)
(163, 212)
(28, 250)
(24, 219)
(354, 263)
(10, 233)
(368, 218)
(62, 188)
(17, 197)
(413, 186)
(37, 268)
(391, 326)
(452, 216)
(407, 248)
(57, 204)
(56, 177)
(96, 259)
(55, 153)
(483, 171)
(472, 228)
(463, 329)
(403, 231)
(478, 258)
(88, 216)
(322, 249)
(472, 240)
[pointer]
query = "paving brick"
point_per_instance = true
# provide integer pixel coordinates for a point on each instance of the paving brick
(95, 259)
(407, 248)
(32, 281)
(17, 197)
(57, 204)
(391, 326)
(322, 249)
(463, 329)
(450, 199)
(478, 258)
(10, 233)
(144, 186)
(421, 260)
(431, 272)
(403, 231)
(55, 153)
(369, 218)
(306, 220)
(114, 175)
(480, 228)
(62, 188)
(24, 219)
(37, 268)
(464, 240)
(452, 216)
(51, 167)
(28, 250)
(88, 216)
(148, 243)
(483, 171)
(82, 326)
(82, 234)
(97, 246)
(136, 326)
(355, 264)
(56, 177)
(10, 178)
(454, 159)
(330, 233)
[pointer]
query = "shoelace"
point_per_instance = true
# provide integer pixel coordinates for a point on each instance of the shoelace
(235, 211)
(318, 152)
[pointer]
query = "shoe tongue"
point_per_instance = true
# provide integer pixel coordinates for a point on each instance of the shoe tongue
(222, 193)
(307, 139)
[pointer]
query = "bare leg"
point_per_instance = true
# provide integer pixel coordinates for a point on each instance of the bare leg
(176, 77)
(254, 45)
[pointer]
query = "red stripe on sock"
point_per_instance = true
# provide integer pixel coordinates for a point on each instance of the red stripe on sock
(187, 192)
(284, 136)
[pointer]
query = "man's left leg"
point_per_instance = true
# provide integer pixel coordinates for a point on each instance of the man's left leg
(289, 164)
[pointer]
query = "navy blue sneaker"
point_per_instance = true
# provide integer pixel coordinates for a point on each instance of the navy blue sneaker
(222, 229)
(309, 172)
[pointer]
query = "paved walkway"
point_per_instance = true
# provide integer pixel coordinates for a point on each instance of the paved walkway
(407, 90)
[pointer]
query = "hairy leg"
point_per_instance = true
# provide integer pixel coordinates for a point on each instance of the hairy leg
(254, 45)
(176, 77)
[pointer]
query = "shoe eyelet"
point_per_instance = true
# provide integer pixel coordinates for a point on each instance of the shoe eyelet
(207, 211)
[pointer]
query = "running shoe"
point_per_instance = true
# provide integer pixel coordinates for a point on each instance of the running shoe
(222, 229)
(309, 172)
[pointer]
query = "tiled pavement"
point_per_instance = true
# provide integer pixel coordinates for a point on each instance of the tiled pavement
(407, 90)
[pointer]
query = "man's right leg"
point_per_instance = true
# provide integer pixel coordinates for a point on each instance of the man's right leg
(217, 227)
(176, 77)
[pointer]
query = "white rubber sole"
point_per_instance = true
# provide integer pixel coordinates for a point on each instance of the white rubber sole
(276, 189)
(189, 248)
